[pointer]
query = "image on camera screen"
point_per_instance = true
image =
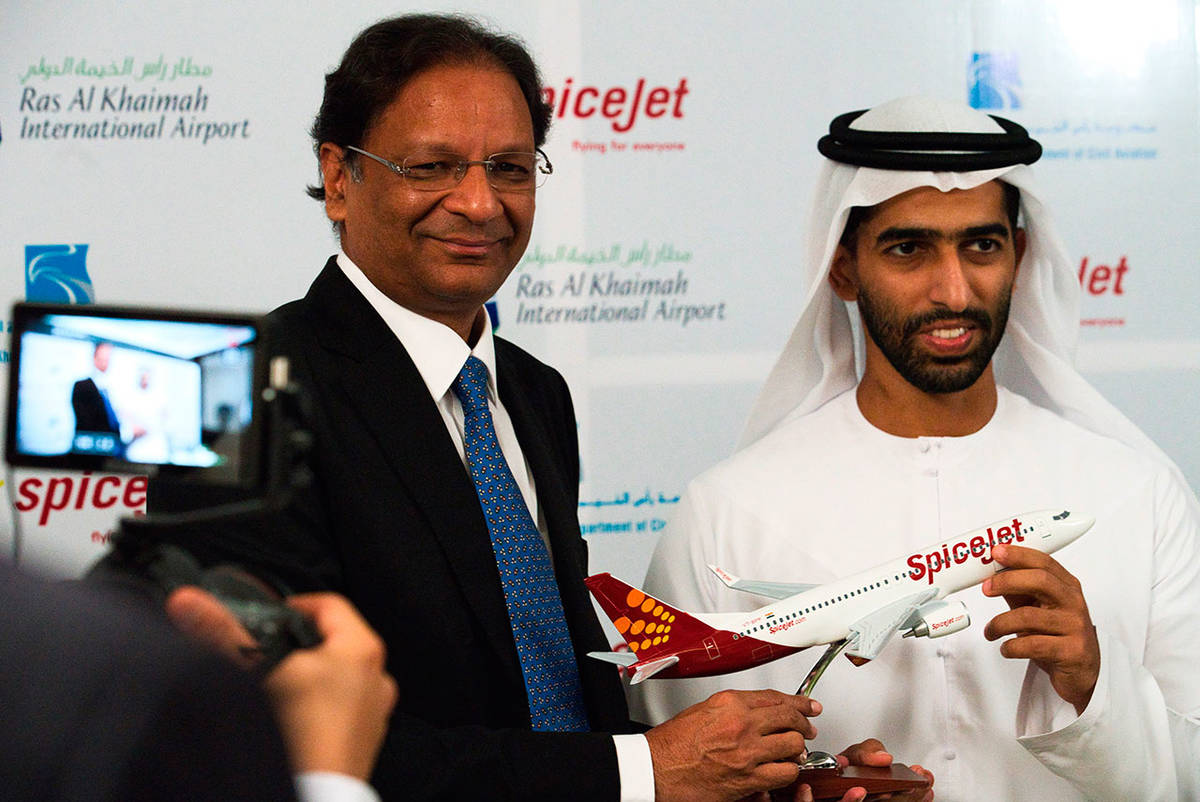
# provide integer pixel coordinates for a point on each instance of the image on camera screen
(141, 391)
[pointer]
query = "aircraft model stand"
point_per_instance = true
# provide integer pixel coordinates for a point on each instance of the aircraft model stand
(820, 770)
(819, 667)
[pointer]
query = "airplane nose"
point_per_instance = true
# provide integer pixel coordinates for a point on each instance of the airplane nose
(1075, 525)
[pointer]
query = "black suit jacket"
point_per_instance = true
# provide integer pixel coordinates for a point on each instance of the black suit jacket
(91, 413)
(101, 703)
(393, 522)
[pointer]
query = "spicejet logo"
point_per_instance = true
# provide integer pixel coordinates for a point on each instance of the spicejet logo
(926, 565)
(623, 105)
(77, 492)
(1103, 279)
(948, 622)
(776, 629)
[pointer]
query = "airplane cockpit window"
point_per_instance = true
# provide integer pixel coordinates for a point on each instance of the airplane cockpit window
(1062, 515)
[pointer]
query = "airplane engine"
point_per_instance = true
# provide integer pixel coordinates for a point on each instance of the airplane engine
(938, 619)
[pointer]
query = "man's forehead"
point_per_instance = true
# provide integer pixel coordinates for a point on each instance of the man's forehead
(445, 100)
(931, 208)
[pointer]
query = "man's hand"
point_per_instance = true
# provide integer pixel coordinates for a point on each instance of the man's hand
(1050, 619)
(870, 752)
(873, 753)
(332, 701)
(198, 614)
(733, 744)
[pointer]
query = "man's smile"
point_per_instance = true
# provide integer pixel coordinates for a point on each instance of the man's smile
(469, 246)
(945, 339)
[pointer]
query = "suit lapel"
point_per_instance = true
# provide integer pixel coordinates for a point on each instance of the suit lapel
(385, 387)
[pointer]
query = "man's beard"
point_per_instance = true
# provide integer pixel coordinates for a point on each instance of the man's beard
(929, 373)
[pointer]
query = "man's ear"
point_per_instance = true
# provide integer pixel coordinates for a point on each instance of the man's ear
(842, 274)
(1020, 242)
(335, 175)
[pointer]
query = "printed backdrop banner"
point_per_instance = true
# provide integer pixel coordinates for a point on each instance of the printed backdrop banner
(158, 154)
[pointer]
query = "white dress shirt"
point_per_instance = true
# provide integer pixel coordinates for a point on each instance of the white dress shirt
(827, 495)
(328, 786)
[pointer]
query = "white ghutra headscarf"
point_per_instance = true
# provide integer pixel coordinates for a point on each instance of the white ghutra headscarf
(1036, 355)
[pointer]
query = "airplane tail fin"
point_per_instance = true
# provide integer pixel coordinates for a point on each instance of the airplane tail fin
(651, 628)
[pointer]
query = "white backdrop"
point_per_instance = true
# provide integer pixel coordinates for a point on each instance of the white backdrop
(156, 153)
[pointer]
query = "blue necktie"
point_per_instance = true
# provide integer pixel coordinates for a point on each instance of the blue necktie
(535, 610)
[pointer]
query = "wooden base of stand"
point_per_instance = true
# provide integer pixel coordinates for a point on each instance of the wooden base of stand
(898, 780)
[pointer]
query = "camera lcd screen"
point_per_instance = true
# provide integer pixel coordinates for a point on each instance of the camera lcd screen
(135, 390)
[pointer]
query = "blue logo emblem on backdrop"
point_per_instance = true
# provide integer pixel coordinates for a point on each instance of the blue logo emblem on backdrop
(993, 81)
(494, 313)
(58, 274)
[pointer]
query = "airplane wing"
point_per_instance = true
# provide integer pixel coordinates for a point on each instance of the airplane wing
(641, 672)
(869, 634)
(773, 590)
(652, 667)
(617, 658)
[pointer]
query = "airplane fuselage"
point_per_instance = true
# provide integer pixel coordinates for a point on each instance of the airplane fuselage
(825, 614)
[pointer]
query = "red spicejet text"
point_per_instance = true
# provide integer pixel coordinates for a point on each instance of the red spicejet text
(616, 102)
(62, 491)
(929, 564)
(1103, 279)
(942, 624)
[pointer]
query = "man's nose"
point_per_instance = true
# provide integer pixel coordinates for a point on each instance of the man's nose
(949, 287)
(474, 197)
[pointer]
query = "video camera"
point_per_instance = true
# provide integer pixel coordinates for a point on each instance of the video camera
(193, 401)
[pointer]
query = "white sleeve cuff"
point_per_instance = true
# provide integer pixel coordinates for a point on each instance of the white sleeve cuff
(327, 786)
(635, 767)
(1042, 712)
(1119, 747)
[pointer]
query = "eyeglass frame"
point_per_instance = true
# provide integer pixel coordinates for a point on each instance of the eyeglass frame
(545, 169)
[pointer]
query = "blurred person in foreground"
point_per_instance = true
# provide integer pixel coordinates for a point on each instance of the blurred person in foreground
(104, 702)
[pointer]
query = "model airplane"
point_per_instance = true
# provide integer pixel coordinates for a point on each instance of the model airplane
(860, 613)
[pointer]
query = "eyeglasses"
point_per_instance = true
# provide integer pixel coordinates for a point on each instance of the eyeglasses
(433, 171)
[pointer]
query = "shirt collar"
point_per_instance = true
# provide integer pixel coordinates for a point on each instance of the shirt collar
(996, 424)
(435, 348)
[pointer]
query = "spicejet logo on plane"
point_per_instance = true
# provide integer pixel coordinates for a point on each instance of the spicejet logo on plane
(775, 629)
(979, 547)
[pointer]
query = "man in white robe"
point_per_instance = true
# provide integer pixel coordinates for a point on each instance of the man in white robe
(1090, 686)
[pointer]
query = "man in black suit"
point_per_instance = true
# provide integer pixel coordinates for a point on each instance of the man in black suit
(93, 409)
(428, 141)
